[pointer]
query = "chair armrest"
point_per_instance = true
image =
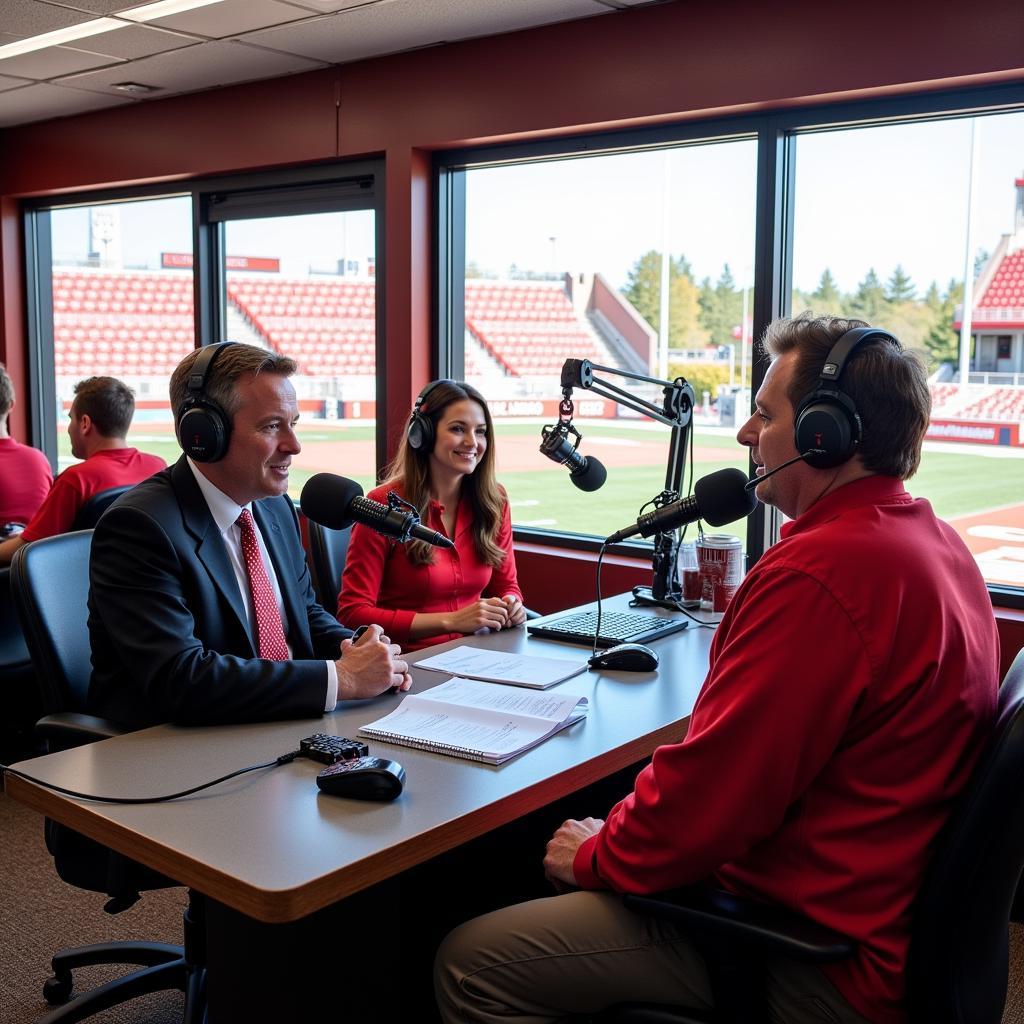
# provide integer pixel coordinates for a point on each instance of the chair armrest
(71, 729)
(717, 914)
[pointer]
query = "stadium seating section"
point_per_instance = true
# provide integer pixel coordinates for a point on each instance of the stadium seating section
(125, 324)
(140, 323)
(1006, 289)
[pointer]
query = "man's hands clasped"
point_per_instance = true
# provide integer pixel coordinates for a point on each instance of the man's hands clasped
(371, 665)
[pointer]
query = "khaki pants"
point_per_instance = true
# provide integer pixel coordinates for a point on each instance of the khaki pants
(549, 959)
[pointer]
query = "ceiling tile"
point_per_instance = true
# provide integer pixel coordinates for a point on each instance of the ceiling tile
(232, 18)
(11, 83)
(52, 62)
(406, 24)
(38, 102)
(331, 6)
(203, 66)
(134, 42)
(30, 18)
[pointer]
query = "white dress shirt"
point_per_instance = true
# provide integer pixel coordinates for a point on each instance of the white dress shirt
(225, 512)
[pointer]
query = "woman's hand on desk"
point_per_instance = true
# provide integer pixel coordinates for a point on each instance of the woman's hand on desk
(370, 666)
(516, 611)
(562, 847)
(489, 612)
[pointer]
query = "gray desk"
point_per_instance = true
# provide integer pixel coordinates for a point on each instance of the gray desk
(268, 847)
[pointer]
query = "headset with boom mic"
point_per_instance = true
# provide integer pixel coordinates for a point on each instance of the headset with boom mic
(827, 426)
(420, 432)
(203, 427)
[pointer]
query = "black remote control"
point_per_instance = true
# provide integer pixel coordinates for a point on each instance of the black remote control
(322, 746)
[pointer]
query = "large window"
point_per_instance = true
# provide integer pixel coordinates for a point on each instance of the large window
(885, 230)
(120, 308)
(886, 211)
(572, 258)
(127, 284)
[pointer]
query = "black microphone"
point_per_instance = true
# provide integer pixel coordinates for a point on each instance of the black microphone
(336, 502)
(717, 498)
(755, 480)
(587, 473)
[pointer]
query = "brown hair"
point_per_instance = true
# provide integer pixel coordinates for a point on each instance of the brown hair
(6, 392)
(236, 360)
(108, 402)
(887, 383)
(410, 470)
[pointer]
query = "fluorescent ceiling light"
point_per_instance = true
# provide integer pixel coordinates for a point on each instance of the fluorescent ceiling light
(61, 35)
(163, 9)
(124, 19)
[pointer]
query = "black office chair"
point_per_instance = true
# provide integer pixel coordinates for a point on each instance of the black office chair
(17, 681)
(89, 514)
(327, 551)
(50, 584)
(958, 964)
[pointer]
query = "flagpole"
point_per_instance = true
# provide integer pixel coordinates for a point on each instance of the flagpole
(968, 306)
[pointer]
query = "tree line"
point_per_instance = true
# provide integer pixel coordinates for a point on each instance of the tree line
(708, 313)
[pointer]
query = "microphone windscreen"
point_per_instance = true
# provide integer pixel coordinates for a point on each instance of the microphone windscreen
(723, 497)
(591, 477)
(326, 499)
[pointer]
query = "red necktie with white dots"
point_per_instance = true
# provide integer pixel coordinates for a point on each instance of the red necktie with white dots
(268, 618)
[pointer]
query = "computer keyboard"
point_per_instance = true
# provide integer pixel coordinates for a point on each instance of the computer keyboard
(616, 628)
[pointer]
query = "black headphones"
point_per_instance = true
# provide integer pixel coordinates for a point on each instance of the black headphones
(421, 433)
(202, 426)
(827, 425)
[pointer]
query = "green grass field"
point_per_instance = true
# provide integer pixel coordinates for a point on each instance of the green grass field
(956, 483)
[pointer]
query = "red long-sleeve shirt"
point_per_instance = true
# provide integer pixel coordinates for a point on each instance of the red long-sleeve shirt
(853, 681)
(110, 467)
(380, 584)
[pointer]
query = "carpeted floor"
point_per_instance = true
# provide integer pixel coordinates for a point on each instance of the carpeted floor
(39, 914)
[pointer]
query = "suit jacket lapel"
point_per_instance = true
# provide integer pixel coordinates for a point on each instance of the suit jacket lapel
(210, 548)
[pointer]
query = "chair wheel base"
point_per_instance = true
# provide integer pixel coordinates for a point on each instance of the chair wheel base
(57, 990)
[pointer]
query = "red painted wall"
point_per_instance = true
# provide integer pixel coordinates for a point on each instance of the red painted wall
(653, 65)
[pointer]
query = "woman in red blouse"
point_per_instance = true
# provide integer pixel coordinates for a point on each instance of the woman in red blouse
(425, 595)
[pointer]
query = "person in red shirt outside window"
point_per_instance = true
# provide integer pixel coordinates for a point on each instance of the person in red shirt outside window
(424, 595)
(101, 414)
(852, 686)
(25, 475)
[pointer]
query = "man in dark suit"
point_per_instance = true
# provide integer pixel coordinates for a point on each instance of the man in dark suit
(196, 617)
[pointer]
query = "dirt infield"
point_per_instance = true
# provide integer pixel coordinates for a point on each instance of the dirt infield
(516, 454)
(996, 539)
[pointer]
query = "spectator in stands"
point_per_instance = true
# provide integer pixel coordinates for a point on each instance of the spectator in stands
(200, 605)
(101, 414)
(851, 688)
(25, 475)
(425, 595)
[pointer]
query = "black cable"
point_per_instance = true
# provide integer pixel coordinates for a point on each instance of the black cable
(283, 759)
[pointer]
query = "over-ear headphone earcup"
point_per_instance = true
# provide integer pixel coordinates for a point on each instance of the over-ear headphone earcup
(420, 432)
(203, 433)
(827, 420)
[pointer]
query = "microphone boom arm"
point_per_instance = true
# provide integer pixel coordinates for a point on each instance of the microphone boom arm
(676, 412)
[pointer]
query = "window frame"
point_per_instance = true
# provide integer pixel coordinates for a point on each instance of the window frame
(314, 188)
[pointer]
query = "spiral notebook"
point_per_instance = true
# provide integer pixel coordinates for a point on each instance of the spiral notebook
(477, 720)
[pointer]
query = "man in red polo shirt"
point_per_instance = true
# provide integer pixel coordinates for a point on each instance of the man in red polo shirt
(852, 686)
(100, 417)
(25, 475)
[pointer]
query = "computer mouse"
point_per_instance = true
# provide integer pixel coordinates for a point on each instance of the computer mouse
(363, 778)
(626, 658)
